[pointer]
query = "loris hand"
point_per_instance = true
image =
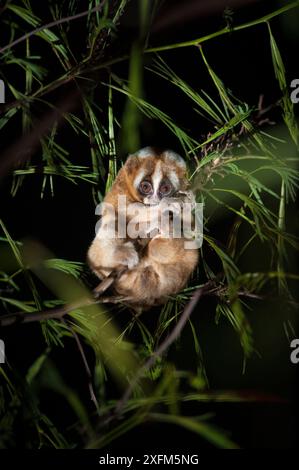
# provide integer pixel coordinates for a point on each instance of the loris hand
(149, 193)
(144, 220)
(182, 197)
(126, 255)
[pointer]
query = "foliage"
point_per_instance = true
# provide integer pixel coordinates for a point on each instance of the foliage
(240, 172)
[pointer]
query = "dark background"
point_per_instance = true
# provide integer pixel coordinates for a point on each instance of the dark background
(65, 224)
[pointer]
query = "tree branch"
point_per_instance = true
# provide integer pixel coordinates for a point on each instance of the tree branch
(86, 366)
(51, 24)
(175, 333)
(60, 312)
(23, 149)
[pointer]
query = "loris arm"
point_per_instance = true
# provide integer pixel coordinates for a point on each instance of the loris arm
(108, 252)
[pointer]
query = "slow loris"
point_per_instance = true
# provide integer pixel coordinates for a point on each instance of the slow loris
(158, 265)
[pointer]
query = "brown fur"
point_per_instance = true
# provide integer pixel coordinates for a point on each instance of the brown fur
(162, 266)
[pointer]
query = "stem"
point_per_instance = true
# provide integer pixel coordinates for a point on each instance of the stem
(87, 368)
(165, 344)
(71, 74)
(51, 24)
(280, 242)
(60, 312)
(195, 42)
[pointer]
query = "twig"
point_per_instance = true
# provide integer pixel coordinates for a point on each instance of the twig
(60, 312)
(183, 12)
(5, 6)
(164, 345)
(51, 24)
(23, 149)
(108, 281)
(87, 368)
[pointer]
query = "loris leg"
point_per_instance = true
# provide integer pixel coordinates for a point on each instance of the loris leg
(172, 263)
(108, 252)
(166, 250)
(106, 255)
(162, 272)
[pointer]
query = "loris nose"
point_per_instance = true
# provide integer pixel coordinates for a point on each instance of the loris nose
(152, 200)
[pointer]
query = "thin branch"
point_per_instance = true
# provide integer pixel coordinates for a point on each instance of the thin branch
(71, 74)
(184, 12)
(86, 366)
(226, 30)
(23, 149)
(164, 345)
(3, 8)
(51, 24)
(60, 312)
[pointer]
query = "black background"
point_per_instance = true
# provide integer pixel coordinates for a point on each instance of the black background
(65, 224)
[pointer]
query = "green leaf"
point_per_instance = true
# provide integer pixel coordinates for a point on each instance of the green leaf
(198, 426)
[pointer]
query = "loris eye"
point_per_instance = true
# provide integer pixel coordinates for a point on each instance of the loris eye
(165, 188)
(145, 187)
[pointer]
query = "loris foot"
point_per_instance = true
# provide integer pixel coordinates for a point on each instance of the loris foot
(126, 255)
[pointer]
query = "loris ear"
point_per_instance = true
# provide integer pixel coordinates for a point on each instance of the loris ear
(128, 170)
(131, 165)
(126, 176)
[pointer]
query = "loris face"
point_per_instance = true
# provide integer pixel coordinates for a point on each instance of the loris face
(152, 175)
